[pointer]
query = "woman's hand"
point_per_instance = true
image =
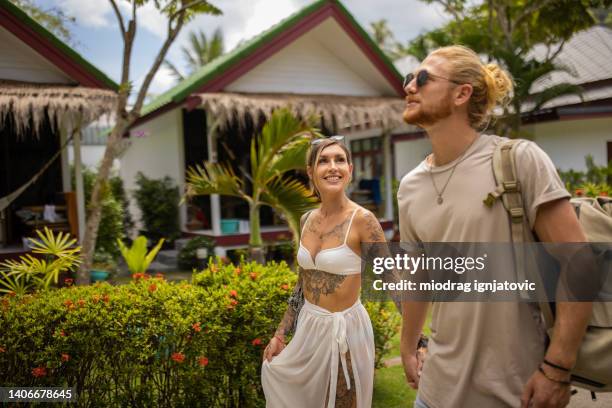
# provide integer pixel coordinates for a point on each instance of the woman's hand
(274, 347)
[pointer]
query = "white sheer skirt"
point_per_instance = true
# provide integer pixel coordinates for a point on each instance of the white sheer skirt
(301, 375)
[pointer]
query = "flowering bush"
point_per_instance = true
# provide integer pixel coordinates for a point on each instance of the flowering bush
(152, 343)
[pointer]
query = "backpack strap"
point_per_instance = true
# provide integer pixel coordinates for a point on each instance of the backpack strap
(509, 190)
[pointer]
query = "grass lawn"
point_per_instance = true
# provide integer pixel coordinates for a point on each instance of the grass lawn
(390, 387)
(391, 390)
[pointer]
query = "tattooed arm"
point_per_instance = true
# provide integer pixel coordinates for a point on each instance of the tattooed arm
(371, 232)
(287, 324)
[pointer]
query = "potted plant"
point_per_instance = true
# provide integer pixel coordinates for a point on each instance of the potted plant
(103, 267)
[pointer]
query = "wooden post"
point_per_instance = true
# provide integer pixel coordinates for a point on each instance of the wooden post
(66, 176)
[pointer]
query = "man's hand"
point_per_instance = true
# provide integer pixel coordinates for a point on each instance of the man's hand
(413, 365)
(274, 347)
(541, 392)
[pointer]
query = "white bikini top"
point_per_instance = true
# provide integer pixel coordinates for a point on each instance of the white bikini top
(340, 260)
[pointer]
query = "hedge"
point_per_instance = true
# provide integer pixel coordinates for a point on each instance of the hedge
(153, 343)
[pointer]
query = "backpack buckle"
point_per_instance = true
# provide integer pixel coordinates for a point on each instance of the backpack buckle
(512, 186)
(517, 215)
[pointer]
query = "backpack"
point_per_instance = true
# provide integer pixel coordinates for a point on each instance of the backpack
(593, 369)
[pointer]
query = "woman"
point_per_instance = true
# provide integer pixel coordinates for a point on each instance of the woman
(330, 360)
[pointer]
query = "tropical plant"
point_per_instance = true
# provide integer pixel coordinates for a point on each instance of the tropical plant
(188, 255)
(136, 257)
(280, 148)
(177, 13)
(53, 19)
(200, 52)
(158, 200)
(57, 254)
(595, 181)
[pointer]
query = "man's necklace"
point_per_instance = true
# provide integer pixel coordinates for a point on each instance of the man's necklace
(439, 193)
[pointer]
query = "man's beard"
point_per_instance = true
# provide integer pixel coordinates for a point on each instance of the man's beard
(426, 117)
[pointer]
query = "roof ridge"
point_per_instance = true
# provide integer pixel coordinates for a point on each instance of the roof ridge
(214, 68)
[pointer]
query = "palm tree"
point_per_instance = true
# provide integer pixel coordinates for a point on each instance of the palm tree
(200, 52)
(280, 148)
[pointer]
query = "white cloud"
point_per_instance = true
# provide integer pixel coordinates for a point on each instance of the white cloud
(162, 81)
(91, 13)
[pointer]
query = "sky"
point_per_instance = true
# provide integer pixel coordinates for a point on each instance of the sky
(98, 39)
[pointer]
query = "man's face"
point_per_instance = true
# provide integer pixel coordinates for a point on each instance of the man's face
(431, 102)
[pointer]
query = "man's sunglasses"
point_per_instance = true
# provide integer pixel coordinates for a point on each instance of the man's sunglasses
(423, 76)
(338, 138)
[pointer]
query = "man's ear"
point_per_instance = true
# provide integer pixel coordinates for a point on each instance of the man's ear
(462, 94)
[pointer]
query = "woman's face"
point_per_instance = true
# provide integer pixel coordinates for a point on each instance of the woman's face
(332, 172)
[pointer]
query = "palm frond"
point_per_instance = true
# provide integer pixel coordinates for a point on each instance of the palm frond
(291, 198)
(213, 178)
(174, 70)
(282, 128)
(290, 157)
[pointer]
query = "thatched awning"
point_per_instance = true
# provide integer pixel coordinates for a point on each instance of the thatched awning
(337, 112)
(28, 104)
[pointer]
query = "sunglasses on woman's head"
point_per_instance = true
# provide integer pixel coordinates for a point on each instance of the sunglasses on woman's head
(423, 76)
(338, 138)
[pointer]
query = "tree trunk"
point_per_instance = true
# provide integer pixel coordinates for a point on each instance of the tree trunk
(94, 212)
(256, 251)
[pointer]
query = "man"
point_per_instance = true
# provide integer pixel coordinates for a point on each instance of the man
(480, 354)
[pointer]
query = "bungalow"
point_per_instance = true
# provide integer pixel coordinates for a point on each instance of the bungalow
(48, 93)
(318, 60)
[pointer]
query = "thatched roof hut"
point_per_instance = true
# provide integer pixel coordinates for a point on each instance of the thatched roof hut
(337, 112)
(27, 105)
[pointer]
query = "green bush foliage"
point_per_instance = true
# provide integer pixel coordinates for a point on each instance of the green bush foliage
(187, 257)
(595, 181)
(151, 343)
(158, 202)
(114, 212)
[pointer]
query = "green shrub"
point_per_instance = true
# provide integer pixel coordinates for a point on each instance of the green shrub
(112, 225)
(595, 181)
(385, 323)
(187, 257)
(158, 202)
(151, 343)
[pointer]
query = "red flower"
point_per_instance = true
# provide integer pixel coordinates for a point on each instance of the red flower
(213, 268)
(39, 372)
(237, 271)
(196, 327)
(65, 357)
(106, 298)
(81, 302)
(68, 281)
(256, 342)
(233, 293)
(69, 305)
(95, 298)
(159, 275)
(12, 294)
(146, 277)
(178, 357)
(253, 275)
(233, 302)
(202, 361)
(2, 349)
(285, 286)
(138, 275)
(152, 287)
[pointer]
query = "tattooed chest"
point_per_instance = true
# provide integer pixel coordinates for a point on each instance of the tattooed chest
(317, 283)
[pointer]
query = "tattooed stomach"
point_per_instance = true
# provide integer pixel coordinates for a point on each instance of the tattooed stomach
(329, 291)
